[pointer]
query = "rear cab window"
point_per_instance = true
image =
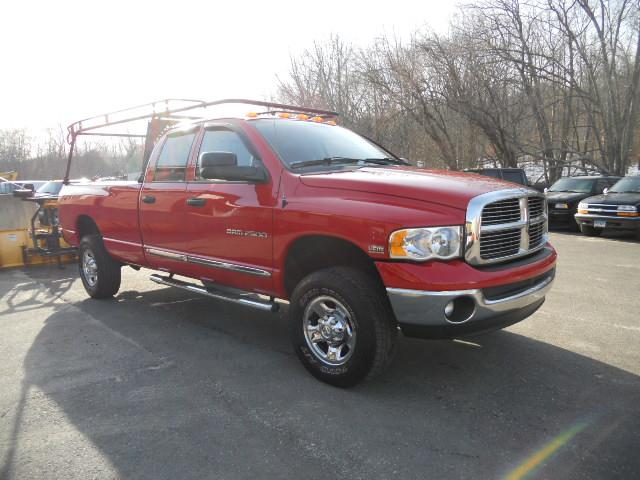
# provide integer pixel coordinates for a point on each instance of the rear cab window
(171, 165)
(514, 176)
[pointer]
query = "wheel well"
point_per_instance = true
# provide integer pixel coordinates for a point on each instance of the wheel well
(86, 226)
(312, 253)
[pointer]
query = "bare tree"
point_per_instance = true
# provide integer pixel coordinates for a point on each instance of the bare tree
(605, 36)
(549, 81)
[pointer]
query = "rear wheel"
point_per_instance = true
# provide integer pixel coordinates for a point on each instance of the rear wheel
(99, 272)
(341, 326)
(590, 231)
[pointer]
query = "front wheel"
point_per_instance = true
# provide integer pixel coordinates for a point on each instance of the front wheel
(99, 272)
(341, 326)
(590, 231)
(573, 225)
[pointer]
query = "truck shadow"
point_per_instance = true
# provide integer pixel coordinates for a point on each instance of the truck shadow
(167, 385)
(44, 286)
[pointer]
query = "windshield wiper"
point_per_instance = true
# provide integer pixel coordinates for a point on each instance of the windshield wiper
(345, 161)
(324, 161)
(385, 161)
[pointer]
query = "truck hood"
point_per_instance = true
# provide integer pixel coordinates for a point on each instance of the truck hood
(566, 197)
(453, 189)
(616, 199)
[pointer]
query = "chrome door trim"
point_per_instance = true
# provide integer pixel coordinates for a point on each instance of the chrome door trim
(228, 266)
(122, 242)
(207, 262)
(156, 252)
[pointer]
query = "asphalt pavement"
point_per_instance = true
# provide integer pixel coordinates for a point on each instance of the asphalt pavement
(161, 384)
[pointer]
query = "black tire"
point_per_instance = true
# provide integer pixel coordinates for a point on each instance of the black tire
(106, 281)
(573, 225)
(590, 231)
(369, 314)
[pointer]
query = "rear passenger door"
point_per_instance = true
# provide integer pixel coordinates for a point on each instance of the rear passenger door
(162, 203)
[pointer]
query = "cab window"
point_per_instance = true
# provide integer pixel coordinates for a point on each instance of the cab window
(601, 185)
(172, 162)
(223, 140)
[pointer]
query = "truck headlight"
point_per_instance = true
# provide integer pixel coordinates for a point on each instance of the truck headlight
(583, 207)
(440, 243)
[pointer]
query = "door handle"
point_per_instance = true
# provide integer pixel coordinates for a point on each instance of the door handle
(149, 199)
(196, 202)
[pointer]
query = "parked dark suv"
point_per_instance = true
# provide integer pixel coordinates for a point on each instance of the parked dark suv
(514, 175)
(564, 196)
(616, 209)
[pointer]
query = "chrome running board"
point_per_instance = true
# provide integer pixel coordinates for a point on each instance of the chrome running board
(239, 298)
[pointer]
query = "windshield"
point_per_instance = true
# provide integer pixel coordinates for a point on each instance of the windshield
(50, 188)
(627, 184)
(579, 185)
(298, 141)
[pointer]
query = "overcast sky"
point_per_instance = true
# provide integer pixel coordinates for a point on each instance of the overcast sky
(63, 60)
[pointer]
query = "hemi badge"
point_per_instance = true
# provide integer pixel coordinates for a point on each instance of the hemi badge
(376, 249)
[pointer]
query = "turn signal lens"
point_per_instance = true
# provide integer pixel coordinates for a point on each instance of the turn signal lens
(302, 116)
(396, 244)
(284, 115)
(583, 211)
(252, 114)
(317, 119)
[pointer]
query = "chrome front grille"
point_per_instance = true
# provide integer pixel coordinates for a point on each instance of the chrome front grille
(505, 225)
(602, 209)
(499, 244)
(536, 234)
(536, 206)
(504, 211)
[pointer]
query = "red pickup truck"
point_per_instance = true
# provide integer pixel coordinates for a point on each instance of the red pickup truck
(285, 205)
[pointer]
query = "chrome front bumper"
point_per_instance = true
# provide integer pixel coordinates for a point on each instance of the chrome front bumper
(423, 308)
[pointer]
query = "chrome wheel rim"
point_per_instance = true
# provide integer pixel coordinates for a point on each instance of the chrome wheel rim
(329, 330)
(89, 268)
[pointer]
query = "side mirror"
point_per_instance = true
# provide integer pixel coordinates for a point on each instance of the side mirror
(224, 166)
(606, 190)
(545, 190)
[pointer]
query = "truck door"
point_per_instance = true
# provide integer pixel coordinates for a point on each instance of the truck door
(162, 204)
(230, 223)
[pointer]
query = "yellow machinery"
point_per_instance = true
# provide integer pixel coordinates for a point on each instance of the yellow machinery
(29, 232)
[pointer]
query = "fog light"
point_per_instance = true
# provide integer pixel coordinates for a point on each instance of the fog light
(460, 309)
